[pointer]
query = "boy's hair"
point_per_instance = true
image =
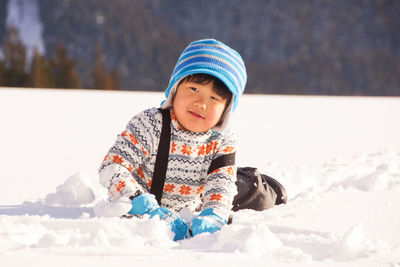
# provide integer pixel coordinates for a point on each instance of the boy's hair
(218, 86)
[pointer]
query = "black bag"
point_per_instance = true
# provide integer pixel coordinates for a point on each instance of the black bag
(255, 190)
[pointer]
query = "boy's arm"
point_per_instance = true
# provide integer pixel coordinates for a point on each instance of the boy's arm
(220, 187)
(124, 171)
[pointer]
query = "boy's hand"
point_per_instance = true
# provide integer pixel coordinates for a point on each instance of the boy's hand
(178, 226)
(207, 222)
(147, 204)
(142, 204)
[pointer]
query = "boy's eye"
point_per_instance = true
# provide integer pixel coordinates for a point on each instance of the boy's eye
(215, 98)
(194, 89)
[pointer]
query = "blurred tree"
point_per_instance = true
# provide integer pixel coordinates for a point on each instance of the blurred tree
(3, 14)
(100, 78)
(41, 74)
(1, 72)
(14, 62)
(113, 79)
(64, 69)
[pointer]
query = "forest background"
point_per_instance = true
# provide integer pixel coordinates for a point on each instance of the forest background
(312, 47)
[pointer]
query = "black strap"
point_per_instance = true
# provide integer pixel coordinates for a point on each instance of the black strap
(222, 161)
(161, 164)
(160, 168)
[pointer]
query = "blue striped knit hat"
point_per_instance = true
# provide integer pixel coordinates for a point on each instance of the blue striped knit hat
(211, 57)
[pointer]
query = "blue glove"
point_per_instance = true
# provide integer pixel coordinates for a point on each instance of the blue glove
(178, 226)
(143, 203)
(207, 222)
(147, 204)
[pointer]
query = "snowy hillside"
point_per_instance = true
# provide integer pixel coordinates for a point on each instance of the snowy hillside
(338, 157)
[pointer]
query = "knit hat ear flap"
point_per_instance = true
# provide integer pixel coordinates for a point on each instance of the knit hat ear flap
(168, 103)
(225, 118)
(211, 57)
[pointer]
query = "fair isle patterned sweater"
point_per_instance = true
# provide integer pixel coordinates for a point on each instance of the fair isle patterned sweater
(128, 167)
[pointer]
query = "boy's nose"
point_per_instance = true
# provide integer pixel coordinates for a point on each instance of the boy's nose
(201, 105)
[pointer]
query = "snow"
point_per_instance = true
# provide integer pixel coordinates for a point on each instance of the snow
(74, 192)
(338, 157)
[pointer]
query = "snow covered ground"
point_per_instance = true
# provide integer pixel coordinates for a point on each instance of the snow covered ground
(338, 157)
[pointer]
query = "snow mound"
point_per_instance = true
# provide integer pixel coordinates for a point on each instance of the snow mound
(364, 172)
(73, 193)
(112, 209)
(109, 234)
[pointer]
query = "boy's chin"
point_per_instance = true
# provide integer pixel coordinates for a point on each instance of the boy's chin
(193, 128)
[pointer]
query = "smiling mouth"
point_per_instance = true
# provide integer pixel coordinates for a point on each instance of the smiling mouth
(197, 115)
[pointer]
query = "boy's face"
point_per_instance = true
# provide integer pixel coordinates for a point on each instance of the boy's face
(197, 107)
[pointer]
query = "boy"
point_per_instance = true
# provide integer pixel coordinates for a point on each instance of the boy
(203, 91)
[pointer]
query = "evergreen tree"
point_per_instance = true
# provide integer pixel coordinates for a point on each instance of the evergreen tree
(100, 78)
(14, 63)
(1, 72)
(113, 79)
(64, 69)
(41, 73)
